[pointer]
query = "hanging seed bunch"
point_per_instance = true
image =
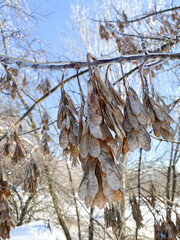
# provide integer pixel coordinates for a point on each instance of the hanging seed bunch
(6, 147)
(6, 222)
(111, 104)
(135, 122)
(159, 113)
(167, 229)
(136, 212)
(66, 121)
(152, 196)
(31, 177)
(112, 218)
(45, 122)
(45, 136)
(44, 142)
(18, 152)
(101, 181)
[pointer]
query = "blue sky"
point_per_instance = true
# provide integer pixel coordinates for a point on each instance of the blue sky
(55, 22)
(52, 17)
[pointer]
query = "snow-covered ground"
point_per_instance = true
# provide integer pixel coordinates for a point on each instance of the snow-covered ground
(36, 231)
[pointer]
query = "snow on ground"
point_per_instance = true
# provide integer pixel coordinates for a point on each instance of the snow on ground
(36, 231)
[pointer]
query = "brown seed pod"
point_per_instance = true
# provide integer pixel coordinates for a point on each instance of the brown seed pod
(136, 118)
(18, 153)
(160, 116)
(136, 211)
(31, 176)
(6, 220)
(66, 121)
(97, 150)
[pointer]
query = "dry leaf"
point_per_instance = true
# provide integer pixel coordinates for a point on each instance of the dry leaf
(167, 127)
(102, 87)
(73, 138)
(116, 96)
(132, 142)
(99, 200)
(94, 147)
(88, 187)
(63, 138)
(144, 140)
(84, 146)
(135, 108)
(112, 144)
(125, 146)
(68, 123)
(131, 117)
(108, 166)
(107, 190)
(118, 196)
(105, 131)
(166, 135)
(61, 114)
(74, 154)
(95, 130)
(126, 125)
(81, 112)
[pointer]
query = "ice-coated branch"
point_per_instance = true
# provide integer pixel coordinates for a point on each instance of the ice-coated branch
(55, 66)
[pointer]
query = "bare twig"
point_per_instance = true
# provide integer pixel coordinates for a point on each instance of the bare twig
(124, 80)
(140, 18)
(153, 14)
(165, 38)
(139, 192)
(164, 140)
(80, 88)
(159, 196)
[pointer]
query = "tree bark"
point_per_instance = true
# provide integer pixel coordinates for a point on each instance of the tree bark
(24, 211)
(123, 203)
(91, 225)
(56, 201)
(75, 202)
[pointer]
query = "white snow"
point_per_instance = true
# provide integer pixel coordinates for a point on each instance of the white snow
(36, 231)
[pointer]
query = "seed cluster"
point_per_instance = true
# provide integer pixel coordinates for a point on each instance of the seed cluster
(106, 127)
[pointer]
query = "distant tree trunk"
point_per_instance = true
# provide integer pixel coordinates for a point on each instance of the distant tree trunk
(168, 184)
(75, 202)
(91, 225)
(56, 202)
(172, 176)
(24, 211)
(123, 204)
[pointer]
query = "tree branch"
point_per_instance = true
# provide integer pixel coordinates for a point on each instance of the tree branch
(56, 66)
(154, 13)
(141, 36)
(139, 192)
(140, 18)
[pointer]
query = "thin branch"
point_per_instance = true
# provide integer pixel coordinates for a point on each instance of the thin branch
(137, 19)
(154, 13)
(159, 196)
(56, 66)
(164, 140)
(141, 36)
(139, 192)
